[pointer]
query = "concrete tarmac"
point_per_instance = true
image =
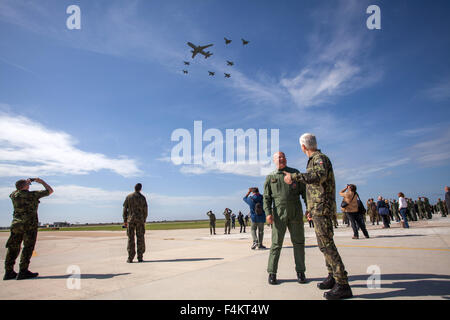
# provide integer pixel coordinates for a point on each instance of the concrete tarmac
(191, 264)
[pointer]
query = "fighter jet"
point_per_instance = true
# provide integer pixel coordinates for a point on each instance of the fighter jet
(185, 71)
(230, 63)
(186, 63)
(211, 73)
(199, 49)
(227, 41)
(227, 75)
(244, 42)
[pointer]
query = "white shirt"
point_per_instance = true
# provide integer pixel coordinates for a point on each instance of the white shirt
(402, 203)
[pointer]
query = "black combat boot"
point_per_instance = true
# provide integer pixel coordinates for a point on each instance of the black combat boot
(129, 260)
(339, 291)
(328, 283)
(301, 278)
(140, 259)
(26, 274)
(9, 275)
(273, 278)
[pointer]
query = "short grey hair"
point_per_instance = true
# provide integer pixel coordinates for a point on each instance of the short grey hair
(309, 140)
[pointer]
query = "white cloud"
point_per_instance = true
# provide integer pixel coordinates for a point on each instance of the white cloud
(433, 152)
(359, 175)
(27, 148)
(440, 91)
(337, 64)
(242, 168)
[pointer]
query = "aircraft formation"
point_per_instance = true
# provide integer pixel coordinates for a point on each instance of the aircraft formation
(201, 50)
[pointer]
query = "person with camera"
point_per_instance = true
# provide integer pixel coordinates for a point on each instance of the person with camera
(350, 207)
(257, 215)
(24, 227)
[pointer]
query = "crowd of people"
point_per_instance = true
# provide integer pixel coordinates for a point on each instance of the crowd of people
(279, 206)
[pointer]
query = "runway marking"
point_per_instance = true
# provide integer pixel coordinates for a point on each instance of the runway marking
(382, 247)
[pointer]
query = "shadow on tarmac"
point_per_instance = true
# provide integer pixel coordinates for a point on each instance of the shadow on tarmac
(419, 285)
(86, 276)
(181, 260)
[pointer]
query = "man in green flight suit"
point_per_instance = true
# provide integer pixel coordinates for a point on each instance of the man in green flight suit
(24, 227)
(284, 210)
(135, 212)
(321, 195)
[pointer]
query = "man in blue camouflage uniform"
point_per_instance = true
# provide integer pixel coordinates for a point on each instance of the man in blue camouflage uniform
(321, 200)
(24, 227)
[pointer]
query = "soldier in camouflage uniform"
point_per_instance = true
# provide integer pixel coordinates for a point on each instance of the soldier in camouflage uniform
(441, 207)
(412, 210)
(227, 214)
(212, 222)
(395, 211)
(427, 208)
(24, 227)
(373, 213)
(283, 207)
(421, 208)
(135, 212)
(321, 195)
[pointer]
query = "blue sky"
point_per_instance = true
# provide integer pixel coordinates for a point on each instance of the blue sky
(91, 111)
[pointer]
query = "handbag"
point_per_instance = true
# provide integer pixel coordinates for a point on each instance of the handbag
(344, 203)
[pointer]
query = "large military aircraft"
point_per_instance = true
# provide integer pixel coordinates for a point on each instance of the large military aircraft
(227, 75)
(227, 41)
(244, 42)
(185, 71)
(199, 49)
(230, 63)
(211, 73)
(186, 63)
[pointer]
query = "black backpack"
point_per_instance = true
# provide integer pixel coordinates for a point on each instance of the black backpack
(361, 208)
(258, 209)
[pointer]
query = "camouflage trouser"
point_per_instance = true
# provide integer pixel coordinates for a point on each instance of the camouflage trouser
(212, 227)
(139, 229)
(297, 233)
(324, 233)
(19, 233)
(374, 217)
(396, 216)
(227, 226)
